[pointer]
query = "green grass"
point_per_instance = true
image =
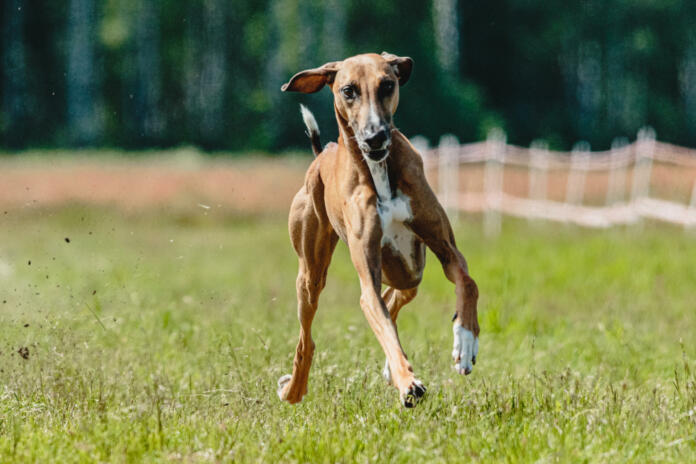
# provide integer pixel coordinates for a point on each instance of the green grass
(161, 337)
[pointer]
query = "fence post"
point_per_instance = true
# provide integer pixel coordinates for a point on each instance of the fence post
(421, 144)
(579, 160)
(448, 175)
(642, 167)
(538, 171)
(493, 181)
(616, 188)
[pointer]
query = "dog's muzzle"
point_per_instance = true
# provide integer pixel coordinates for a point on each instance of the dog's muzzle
(375, 145)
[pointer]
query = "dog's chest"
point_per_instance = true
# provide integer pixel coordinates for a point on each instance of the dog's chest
(394, 212)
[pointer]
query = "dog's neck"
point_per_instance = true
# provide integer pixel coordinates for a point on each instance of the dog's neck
(379, 171)
(380, 177)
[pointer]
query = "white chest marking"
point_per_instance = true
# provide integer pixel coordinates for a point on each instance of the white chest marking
(393, 212)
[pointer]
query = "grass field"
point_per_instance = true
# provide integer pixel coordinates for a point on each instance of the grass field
(157, 336)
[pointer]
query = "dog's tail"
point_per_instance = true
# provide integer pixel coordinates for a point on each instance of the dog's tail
(312, 129)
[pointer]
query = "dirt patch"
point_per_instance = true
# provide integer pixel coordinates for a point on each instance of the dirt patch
(245, 185)
(23, 352)
(183, 179)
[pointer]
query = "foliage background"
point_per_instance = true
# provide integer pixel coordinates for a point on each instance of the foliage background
(141, 74)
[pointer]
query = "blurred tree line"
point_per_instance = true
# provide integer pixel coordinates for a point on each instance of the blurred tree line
(149, 73)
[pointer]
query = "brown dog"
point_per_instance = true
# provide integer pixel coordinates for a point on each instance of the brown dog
(369, 190)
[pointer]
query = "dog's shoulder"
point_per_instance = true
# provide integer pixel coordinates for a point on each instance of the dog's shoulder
(313, 177)
(408, 155)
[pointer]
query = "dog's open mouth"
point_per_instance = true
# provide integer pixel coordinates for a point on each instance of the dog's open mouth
(377, 155)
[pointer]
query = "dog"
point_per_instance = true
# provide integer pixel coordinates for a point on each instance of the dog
(369, 190)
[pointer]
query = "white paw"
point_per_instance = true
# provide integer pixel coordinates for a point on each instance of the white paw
(465, 349)
(281, 383)
(386, 372)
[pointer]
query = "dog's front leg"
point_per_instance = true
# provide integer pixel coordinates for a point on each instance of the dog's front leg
(433, 227)
(364, 236)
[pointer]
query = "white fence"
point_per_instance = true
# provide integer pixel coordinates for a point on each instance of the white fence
(626, 171)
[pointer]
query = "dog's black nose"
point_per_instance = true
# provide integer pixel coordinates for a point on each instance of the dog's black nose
(376, 139)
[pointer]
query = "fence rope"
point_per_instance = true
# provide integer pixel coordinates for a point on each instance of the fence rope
(621, 207)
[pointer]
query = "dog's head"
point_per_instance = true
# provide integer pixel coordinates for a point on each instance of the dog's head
(366, 94)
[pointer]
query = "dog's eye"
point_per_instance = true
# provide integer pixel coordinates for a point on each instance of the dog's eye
(386, 88)
(348, 92)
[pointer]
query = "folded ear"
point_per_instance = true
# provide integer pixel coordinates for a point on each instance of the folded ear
(402, 66)
(312, 80)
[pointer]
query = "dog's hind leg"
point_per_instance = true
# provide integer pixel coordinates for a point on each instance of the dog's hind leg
(395, 299)
(314, 244)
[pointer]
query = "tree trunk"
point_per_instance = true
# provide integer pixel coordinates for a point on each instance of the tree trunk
(446, 34)
(206, 74)
(589, 87)
(148, 114)
(334, 31)
(13, 120)
(84, 117)
(687, 81)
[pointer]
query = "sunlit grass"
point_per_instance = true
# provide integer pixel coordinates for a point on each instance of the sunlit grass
(161, 337)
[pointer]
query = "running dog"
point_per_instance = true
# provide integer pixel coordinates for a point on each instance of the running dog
(369, 190)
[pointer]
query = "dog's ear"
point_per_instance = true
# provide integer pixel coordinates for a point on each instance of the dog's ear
(312, 80)
(403, 65)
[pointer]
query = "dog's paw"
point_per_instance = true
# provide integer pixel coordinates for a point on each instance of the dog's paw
(414, 393)
(386, 372)
(465, 349)
(282, 382)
